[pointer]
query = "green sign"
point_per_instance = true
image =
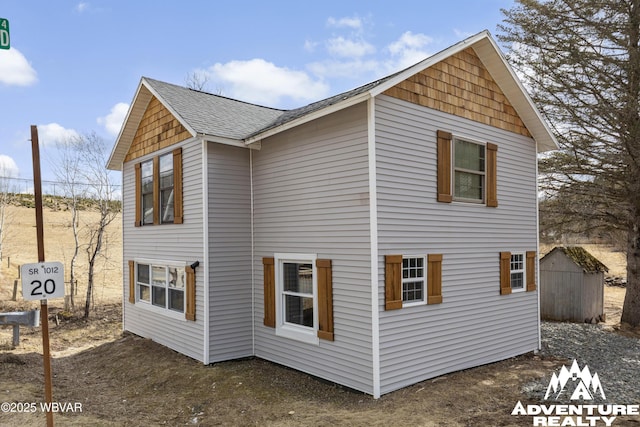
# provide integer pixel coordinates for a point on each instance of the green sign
(5, 41)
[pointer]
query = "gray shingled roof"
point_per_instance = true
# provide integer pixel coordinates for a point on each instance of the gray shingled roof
(212, 114)
(290, 115)
(216, 115)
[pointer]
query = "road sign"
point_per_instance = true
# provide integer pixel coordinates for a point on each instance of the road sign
(43, 280)
(5, 40)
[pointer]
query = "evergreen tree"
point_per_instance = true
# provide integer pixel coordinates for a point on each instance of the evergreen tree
(580, 59)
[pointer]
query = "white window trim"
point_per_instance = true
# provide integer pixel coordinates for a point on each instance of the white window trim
(455, 137)
(148, 305)
(424, 282)
(288, 330)
(523, 271)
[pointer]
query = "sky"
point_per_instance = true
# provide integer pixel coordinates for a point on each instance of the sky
(73, 66)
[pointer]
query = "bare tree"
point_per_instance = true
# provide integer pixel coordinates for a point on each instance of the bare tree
(197, 80)
(68, 169)
(93, 153)
(581, 60)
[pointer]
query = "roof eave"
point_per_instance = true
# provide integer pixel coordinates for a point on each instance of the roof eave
(120, 148)
(132, 121)
(506, 78)
(308, 117)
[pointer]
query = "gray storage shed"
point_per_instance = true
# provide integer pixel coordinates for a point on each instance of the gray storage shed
(572, 285)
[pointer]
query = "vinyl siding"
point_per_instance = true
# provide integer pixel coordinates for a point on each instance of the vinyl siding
(474, 324)
(182, 243)
(311, 196)
(229, 199)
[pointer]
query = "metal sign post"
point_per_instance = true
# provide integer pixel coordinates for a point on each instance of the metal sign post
(44, 310)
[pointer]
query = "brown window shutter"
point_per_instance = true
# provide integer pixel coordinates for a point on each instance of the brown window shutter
(444, 166)
(190, 312)
(492, 175)
(138, 209)
(325, 299)
(393, 282)
(177, 186)
(156, 190)
(505, 273)
(434, 279)
(531, 271)
(269, 292)
(132, 282)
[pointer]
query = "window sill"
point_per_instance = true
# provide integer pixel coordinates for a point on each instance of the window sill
(305, 335)
(413, 304)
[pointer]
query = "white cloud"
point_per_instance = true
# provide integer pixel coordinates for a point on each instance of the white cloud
(8, 167)
(112, 122)
(408, 50)
(15, 70)
(310, 46)
(409, 41)
(262, 82)
(82, 6)
(53, 133)
(347, 48)
(355, 23)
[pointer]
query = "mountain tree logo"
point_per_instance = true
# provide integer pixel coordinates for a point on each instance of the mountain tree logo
(584, 385)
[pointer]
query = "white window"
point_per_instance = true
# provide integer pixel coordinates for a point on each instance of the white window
(166, 188)
(469, 171)
(517, 272)
(296, 297)
(413, 280)
(147, 192)
(161, 286)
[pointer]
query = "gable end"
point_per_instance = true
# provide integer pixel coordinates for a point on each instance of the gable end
(462, 86)
(158, 129)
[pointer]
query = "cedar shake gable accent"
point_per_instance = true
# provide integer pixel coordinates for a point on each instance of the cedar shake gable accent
(158, 129)
(462, 86)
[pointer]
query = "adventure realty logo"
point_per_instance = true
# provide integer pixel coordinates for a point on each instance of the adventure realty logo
(580, 386)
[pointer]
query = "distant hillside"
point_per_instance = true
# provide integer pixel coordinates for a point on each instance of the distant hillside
(56, 202)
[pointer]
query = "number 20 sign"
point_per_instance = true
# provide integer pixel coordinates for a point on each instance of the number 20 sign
(43, 280)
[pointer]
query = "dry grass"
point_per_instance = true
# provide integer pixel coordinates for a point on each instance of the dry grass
(20, 247)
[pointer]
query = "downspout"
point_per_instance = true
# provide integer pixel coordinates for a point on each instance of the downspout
(373, 236)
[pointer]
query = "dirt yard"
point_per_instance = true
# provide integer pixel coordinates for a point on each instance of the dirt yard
(118, 379)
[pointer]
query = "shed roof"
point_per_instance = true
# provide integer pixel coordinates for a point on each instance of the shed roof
(581, 257)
